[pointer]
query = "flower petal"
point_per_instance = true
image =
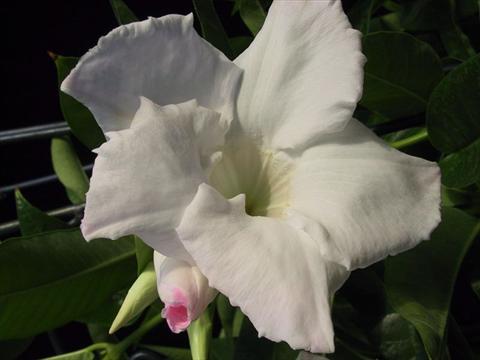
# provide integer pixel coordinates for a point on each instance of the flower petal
(275, 273)
(162, 59)
(303, 74)
(183, 289)
(145, 176)
(370, 199)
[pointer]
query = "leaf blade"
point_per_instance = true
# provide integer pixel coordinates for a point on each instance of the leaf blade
(405, 283)
(75, 278)
(212, 28)
(122, 12)
(32, 220)
(393, 86)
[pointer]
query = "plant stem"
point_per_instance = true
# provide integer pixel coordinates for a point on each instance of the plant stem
(200, 334)
(422, 135)
(123, 345)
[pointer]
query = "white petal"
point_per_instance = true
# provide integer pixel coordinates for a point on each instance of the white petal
(183, 289)
(162, 59)
(370, 199)
(303, 74)
(145, 176)
(275, 273)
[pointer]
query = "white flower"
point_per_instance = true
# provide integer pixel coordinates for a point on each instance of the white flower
(253, 172)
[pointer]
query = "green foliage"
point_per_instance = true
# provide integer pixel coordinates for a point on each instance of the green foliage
(360, 14)
(453, 112)
(78, 117)
(226, 313)
(69, 169)
(453, 123)
(239, 44)
(424, 15)
(171, 352)
(397, 339)
(77, 355)
(212, 28)
(252, 13)
(400, 74)
(57, 279)
(32, 220)
(422, 293)
(122, 12)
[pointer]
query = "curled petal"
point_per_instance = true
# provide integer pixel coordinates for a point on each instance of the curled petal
(275, 273)
(365, 198)
(162, 59)
(303, 74)
(183, 289)
(145, 176)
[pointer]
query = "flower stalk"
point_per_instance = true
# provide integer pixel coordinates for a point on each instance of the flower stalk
(422, 135)
(200, 335)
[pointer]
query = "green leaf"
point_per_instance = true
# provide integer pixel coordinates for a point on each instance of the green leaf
(32, 220)
(212, 28)
(122, 12)
(104, 314)
(453, 111)
(400, 74)
(237, 322)
(428, 15)
(141, 294)
(453, 123)
(84, 354)
(397, 339)
(419, 283)
(361, 12)
(78, 117)
(462, 168)
(52, 278)
(171, 352)
(460, 198)
(226, 313)
(281, 351)
(144, 254)
(221, 349)
(252, 13)
(69, 169)
(457, 43)
(99, 333)
(239, 44)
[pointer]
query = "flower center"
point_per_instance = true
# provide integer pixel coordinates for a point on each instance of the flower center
(262, 175)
